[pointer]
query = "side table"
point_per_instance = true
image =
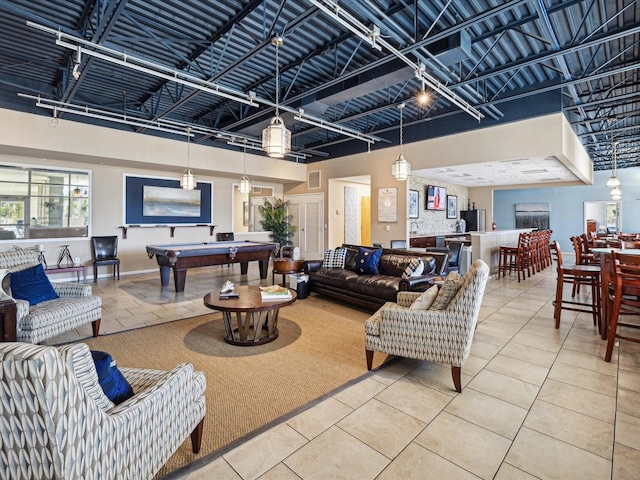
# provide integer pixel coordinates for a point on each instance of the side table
(74, 268)
(284, 267)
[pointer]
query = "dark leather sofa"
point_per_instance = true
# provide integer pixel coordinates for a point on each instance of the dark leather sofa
(370, 292)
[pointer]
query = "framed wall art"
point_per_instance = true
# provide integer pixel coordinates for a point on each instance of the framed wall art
(387, 204)
(414, 201)
(452, 206)
(161, 201)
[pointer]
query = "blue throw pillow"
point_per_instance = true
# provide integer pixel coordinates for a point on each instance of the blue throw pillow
(113, 383)
(367, 260)
(32, 285)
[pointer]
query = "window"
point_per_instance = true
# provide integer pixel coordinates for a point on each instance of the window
(43, 203)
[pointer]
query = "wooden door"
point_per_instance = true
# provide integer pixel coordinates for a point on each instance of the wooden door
(365, 220)
(308, 218)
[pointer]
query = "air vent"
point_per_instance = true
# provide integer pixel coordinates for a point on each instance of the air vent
(314, 179)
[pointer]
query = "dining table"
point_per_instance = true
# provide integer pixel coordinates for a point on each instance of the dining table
(605, 258)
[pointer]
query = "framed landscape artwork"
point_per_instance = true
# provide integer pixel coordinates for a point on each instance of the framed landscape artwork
(414, 199)
(161, 201)
(452, 206)
(436, 198)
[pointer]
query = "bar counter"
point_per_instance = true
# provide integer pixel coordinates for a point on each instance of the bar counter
(486, 245)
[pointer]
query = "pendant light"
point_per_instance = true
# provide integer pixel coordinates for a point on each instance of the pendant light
(613, 182)
(401, 168)
(276, 139)
(616, 193)
(245, 185)
(188, 181)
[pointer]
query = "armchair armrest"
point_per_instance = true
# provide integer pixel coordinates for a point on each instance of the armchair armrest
(64, 289)
(142, 378)
(173, 391)
(311, 265)
(22, 309)
(405, 299)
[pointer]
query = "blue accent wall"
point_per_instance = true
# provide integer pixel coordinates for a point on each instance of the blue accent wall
(567, 204)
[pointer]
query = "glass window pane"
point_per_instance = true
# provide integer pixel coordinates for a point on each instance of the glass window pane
(10, 189)
(40, 203)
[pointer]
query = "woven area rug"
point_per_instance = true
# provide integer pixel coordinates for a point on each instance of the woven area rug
(320, 348)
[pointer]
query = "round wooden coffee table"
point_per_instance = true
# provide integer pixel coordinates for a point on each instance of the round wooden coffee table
(257, 320)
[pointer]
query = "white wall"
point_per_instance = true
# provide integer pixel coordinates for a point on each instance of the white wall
(536, 137)
(107, 203)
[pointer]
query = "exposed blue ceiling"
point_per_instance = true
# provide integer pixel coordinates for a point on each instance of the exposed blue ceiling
(505, 58)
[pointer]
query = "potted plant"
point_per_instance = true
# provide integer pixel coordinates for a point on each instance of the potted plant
(276, 219)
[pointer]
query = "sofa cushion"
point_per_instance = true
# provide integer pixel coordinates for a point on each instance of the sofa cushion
(336, 277)
(449, 288)
(414, 269)
(350, 258)
(425, 300)
(377, 286)
(393, 264)
(113, 383)
(367, 261)
(334, 258)
(32, 285)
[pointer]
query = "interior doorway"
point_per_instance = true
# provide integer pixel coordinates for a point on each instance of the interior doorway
(349, 216)
(246, 217)
(307, 212)
(606, 214)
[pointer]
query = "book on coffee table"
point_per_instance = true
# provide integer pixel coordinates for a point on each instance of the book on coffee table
(275, 292)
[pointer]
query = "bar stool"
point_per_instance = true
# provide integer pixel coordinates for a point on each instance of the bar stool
(515, 257)
(581, 275)
(624, 297)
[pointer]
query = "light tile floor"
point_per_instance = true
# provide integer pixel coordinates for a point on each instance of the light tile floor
(537, 402)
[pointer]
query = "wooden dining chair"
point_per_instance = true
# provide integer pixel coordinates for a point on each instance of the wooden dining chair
(576, 274)
(624, 298)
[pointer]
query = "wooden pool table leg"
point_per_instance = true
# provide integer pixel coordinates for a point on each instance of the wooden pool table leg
(264, 267)
(179, 279)
(164, 275)
(244, 267)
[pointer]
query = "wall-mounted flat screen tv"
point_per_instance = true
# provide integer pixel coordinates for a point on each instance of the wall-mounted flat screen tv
(436, 198)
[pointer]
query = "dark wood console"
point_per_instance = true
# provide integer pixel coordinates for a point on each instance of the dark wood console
(434, 240)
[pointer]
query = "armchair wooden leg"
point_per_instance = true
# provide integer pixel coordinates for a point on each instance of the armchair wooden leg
(369, 358)
(95, 325)
(455, 373)
(196, 437)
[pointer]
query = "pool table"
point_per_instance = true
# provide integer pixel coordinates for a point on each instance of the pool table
(183, 256)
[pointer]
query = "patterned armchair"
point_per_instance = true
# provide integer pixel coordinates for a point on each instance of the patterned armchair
(435, 335)
(75, 306)
(58, 424)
